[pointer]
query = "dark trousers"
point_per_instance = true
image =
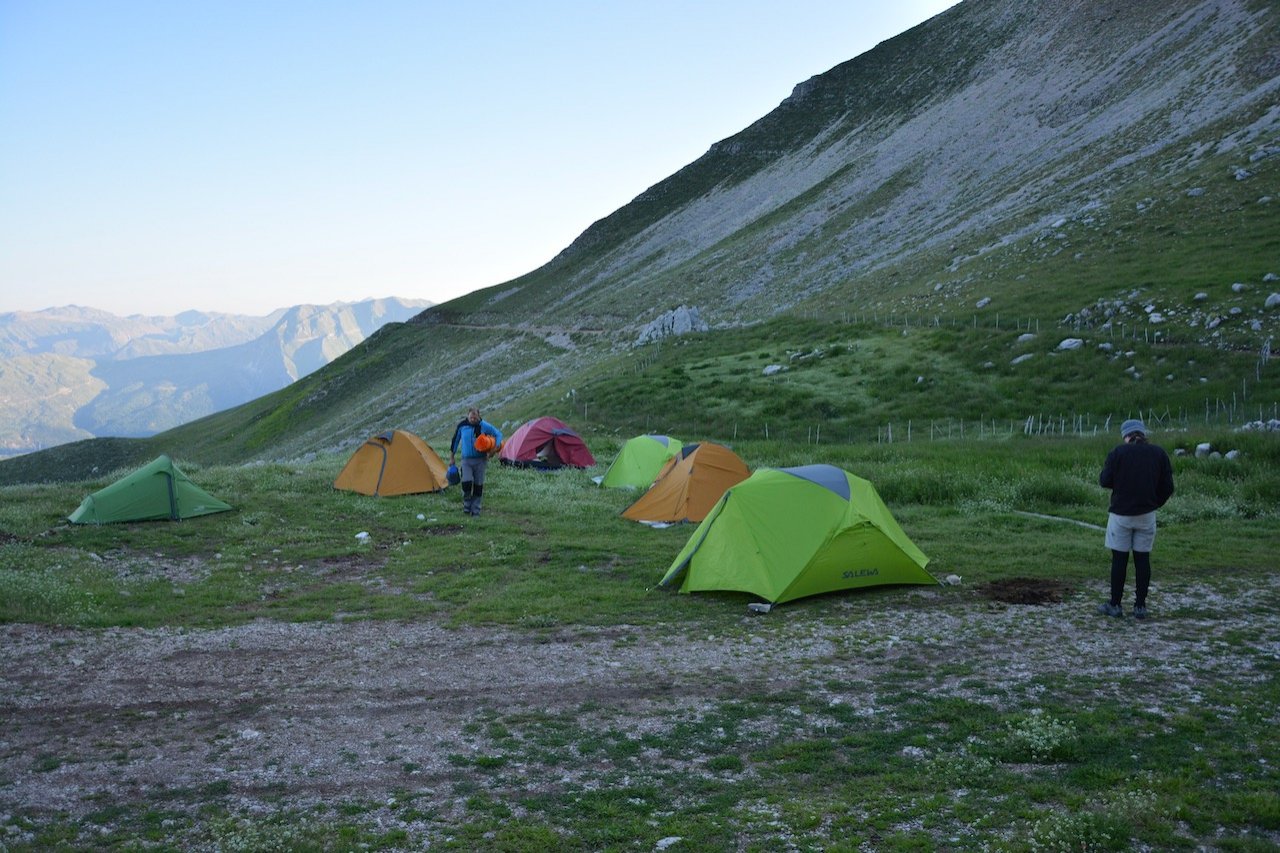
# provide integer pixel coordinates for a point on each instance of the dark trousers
(1141, 576)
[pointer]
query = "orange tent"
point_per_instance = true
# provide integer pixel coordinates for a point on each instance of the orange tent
(689, 485)
(393, 463)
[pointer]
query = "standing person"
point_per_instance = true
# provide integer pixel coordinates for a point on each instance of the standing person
(476, 439)
(1140, 478)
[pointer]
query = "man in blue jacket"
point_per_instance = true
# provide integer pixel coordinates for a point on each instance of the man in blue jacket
(474, 459)
(1140, 478)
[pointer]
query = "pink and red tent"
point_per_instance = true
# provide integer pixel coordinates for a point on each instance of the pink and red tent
(545, 442)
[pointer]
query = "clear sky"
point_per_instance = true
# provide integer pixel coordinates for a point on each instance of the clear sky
(244, 155)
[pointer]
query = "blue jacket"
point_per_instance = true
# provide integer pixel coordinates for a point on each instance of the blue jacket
(464, 438)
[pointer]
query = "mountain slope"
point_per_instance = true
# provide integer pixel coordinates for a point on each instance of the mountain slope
(984, 123)
(908, 236)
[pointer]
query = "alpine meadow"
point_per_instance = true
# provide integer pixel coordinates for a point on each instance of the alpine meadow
(952, 266)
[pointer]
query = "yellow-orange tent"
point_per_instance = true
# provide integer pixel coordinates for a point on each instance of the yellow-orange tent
(393, 463)
(689, 485)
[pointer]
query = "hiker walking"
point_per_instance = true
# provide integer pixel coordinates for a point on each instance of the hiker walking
(1140, 478)
(476, 439)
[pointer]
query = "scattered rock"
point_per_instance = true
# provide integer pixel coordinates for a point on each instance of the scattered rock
(983, 302)
(1272, 425)
(772, 369)
(1200, 297)
(1239, 287)
(1272, 301)
(1195, 192)
(1243, 174)
(1022, 358)
(678, 321)
(1024, 338)
(1203, 449)
(1070, 343)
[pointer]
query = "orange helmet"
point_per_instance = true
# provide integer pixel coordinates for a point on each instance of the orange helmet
(484, 442)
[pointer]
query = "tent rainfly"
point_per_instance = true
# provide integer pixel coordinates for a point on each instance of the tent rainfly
(157, 490)
(393, 463)
(689, 485)
(545, 443)
(784, 533)
(640, 460)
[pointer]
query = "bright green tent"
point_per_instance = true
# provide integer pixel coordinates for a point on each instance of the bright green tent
(156, 490)
(785, 533)
(640, 460)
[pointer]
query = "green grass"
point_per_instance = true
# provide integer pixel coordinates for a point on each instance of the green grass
(289, 551)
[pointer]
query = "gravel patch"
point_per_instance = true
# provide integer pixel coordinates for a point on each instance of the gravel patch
(273, 715)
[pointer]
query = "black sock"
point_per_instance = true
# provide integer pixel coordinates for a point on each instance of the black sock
(1119, 568)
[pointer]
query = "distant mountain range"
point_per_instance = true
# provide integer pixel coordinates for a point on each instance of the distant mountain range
(72, 373)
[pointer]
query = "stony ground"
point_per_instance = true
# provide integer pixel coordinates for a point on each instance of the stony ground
(266, 715)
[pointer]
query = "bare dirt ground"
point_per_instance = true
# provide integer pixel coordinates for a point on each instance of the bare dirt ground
(268, 716)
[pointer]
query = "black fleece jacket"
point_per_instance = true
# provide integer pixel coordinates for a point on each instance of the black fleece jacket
(1139, 476)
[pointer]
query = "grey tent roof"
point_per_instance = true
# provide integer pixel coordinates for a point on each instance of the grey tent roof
(829, 477)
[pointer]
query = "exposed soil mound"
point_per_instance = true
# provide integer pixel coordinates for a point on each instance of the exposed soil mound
(1025, 591)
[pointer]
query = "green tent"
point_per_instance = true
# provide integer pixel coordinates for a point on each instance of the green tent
(640, 460)
(785, 533)
(156, 490)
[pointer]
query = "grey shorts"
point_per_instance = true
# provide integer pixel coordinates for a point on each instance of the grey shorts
(472, 469)
(1131, 532)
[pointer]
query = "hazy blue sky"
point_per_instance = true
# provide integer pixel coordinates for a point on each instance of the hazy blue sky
(244, 155)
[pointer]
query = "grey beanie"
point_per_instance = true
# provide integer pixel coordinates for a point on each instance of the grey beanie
(1131, 426)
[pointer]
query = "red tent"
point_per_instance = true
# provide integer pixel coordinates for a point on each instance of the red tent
(545, 443)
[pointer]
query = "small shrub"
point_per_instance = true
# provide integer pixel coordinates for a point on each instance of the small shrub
(1064, 832)
(1041, 737)
(726, 763)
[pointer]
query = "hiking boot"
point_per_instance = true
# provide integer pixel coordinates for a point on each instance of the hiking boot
(1106, 608)
(1139, 611)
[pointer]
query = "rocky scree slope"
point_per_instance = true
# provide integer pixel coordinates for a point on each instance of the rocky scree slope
(992, 119)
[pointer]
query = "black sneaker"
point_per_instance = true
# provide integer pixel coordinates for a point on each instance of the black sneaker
(1139, 611)
(1106, 608)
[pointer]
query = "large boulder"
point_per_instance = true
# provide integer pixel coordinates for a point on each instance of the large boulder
(678, 321)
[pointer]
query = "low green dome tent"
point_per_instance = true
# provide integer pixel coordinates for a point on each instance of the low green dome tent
(157, 490)
(784, 533)
(640, 460)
